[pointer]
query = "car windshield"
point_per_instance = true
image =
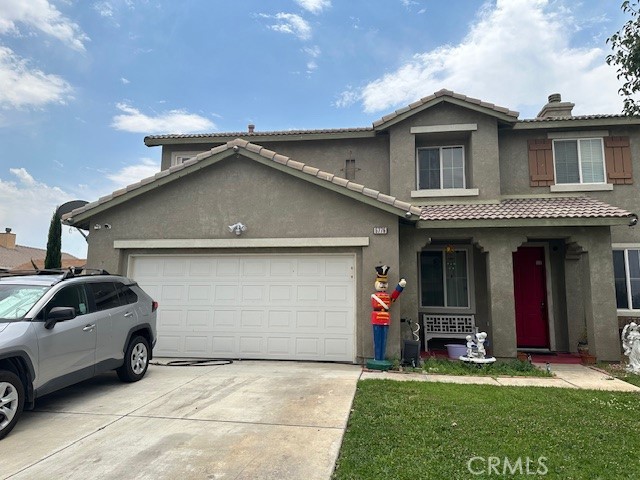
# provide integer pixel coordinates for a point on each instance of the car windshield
(17, 300)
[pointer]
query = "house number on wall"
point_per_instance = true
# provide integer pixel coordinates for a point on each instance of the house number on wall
(379, 230)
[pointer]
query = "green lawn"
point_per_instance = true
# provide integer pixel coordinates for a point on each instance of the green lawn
(512, 368)
(618, 370)
(420, 430)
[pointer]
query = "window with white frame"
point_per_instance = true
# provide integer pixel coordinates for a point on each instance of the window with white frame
(626, 272)
(440, 167)
(444, 278)
(579, 160)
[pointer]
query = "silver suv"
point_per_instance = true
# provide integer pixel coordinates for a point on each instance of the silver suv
(59, 328)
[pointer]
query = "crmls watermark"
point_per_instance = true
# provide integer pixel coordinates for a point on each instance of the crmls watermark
(506, 466)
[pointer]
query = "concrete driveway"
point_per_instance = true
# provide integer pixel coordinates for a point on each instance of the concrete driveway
(247, 420)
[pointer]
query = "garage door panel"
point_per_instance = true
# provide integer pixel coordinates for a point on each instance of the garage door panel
(253, 293)
(308, 293)
(174, 267)
(228, 267)
(224, 345)
(252, 319)
(196, 346)
(280, 319)
(282, 268)
(199, 293)
(251, 345)
(201, 268)
(168, 345)
(172, 293)
(225, 320)
(168, 319)
(199, 320)
(225, 294)
(252, 306)
(308, 320)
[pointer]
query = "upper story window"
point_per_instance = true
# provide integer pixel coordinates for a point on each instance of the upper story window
(440, 168)
(579, 161)
(178, 158)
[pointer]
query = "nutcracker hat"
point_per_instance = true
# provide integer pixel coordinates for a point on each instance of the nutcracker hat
(382, 273)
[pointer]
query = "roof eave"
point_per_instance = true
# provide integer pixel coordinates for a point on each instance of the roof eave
(526, 222)
(150, 141)
(576, 122)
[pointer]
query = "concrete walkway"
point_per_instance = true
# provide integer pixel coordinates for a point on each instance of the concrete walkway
(566, 376)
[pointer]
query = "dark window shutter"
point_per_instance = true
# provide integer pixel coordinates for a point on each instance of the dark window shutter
(617, 157)
(541, 162)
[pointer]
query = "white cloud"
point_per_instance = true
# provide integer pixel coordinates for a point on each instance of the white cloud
(514, 55)
(314, 6)
(124, 81)
(173, 121)
(313, 52)
(43, 16)
(24, 86)
(105, 9)
(24, 176)
(26, 206)
(134, 173)
(290, 23)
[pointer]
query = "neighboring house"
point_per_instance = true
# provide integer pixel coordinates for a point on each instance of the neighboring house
(498, 223)
(14, 256)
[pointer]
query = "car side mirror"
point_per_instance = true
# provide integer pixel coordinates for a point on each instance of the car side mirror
(59, 314)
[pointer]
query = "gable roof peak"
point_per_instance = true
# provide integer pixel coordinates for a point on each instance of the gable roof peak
(237, 146)
(446, 95)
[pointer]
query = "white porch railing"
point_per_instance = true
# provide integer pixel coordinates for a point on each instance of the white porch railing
(447, 326)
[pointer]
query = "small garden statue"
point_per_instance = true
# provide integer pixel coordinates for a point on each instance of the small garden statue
(380, 319)
(476, 353)
(631, 346)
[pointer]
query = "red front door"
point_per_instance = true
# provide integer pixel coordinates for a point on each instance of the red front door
(530, 291)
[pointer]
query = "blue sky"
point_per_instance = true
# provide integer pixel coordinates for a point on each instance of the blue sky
(82, 82)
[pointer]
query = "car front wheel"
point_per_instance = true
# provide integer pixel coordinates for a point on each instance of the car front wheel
(136, 360)
(11, 401)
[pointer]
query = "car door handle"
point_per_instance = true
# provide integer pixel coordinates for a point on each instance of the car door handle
(128, 314)
(88, 328)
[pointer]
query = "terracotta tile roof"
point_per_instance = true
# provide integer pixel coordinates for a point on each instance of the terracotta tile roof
(240, 144)
(13, 257)
(515, 208)
(445, 93)
(273, 133)
(575, 117)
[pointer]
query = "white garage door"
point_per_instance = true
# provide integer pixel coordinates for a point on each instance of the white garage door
(298, 307)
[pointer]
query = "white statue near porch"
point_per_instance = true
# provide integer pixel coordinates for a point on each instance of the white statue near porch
(631, 346)
(476, 353)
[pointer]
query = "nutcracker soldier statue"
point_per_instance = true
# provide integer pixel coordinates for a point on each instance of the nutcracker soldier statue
(380, 319)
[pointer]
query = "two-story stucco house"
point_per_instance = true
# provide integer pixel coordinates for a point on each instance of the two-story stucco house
(263, 244)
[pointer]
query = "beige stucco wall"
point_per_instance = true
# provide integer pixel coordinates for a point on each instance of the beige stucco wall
(514, 170)
(481, 150)
(272, 204)
(580, 290)
(371, 156)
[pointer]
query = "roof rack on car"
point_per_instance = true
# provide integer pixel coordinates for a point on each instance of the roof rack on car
(66, 273)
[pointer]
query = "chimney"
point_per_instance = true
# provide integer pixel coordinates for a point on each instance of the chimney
(251, 127)
(556, 108)
(8, 239)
